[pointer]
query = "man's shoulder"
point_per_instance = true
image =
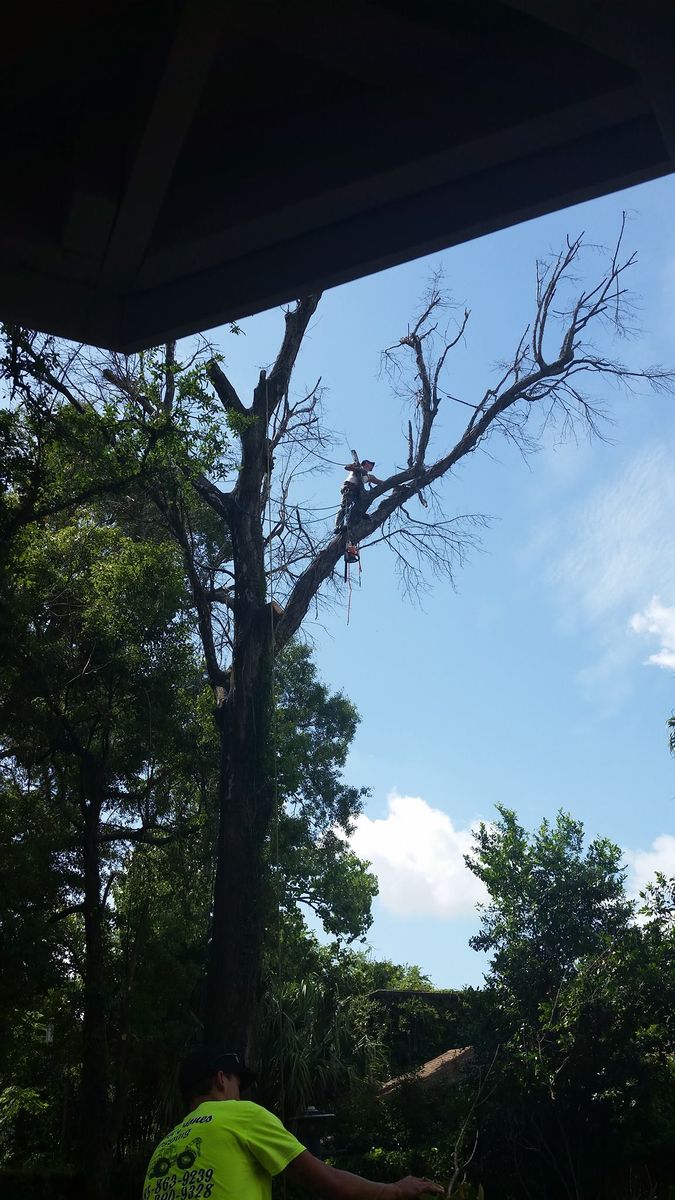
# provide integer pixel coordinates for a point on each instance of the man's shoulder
(248, 1108)
(254, 1119)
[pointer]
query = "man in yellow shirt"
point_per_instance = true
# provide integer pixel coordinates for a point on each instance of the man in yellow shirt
(230, 1149)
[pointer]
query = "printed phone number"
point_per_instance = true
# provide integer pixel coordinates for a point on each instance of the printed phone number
(193, 1185)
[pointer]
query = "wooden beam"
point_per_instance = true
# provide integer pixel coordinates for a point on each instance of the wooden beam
(454, 212)
(649, 39)
(590, 23)
(188, 64)
(639, 33)
(370, 192)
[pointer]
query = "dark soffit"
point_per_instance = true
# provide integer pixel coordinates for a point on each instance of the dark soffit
(175, 165)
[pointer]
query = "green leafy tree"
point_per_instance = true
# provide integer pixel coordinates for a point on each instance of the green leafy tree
(40, 992)
(161, 919)
(100, 683)
(97, 691)
(577, 995)
(553, 902)
(309, 852)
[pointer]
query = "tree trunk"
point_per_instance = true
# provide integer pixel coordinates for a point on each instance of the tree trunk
(246, 793)
(118, 1108)
(96, 1142)
(246, 801)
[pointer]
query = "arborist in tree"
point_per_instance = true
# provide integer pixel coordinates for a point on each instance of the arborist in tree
(353, 491)
(227, 1148)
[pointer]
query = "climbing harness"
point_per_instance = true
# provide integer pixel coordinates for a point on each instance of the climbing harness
(352, 493)
(352, 508)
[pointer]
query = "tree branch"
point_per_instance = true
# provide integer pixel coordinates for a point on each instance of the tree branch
(70, 911)
(225, 390)
(529, 380)
(144, 836)
(217, 676)
(271, 388)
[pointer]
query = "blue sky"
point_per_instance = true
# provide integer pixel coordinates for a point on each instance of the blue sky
(531, 684)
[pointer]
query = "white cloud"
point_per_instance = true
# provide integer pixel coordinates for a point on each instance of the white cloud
(644, 864)
(658, 620)
(418, 857)
(604, 557)
(621, 541)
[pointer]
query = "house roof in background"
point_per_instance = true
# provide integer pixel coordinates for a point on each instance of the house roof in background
(443, 1069)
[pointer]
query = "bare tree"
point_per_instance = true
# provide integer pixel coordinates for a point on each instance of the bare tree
(254, 582)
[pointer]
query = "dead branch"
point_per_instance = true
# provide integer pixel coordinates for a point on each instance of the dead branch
(225, 391)
(271, 390)
(540, 388)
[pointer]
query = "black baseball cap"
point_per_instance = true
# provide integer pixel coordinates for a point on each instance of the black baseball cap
(204, 1062)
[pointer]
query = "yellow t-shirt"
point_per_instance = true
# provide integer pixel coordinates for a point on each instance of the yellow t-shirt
(223, 1150)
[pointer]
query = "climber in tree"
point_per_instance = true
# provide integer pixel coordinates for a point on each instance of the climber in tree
(353, 491)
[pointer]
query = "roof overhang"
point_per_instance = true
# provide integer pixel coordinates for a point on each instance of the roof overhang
(178, 164)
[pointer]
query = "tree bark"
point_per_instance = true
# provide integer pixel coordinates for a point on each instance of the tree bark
(246, 807)
(96, 1140)
(245, 790)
